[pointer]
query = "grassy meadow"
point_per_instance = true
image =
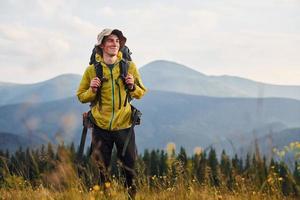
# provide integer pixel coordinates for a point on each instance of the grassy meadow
(46, 173)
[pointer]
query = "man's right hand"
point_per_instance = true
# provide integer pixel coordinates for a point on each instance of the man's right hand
(95, 84)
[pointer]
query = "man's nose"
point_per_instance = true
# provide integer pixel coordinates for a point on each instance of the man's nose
(115, 43)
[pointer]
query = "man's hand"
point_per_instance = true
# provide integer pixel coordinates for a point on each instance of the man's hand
(95, 83)
(129, 80)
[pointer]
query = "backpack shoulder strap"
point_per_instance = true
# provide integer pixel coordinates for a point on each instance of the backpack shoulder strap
(93, 56)
(126, 53)
(99, 70)
(124, 65)
(99, 74)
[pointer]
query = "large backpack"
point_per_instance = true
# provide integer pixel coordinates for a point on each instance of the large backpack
(126, 57)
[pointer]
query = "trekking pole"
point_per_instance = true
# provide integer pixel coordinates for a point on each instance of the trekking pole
(136, 117)
(83, 135)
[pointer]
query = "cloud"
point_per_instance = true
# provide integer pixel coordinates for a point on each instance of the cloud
(32, 46)
(53, 37)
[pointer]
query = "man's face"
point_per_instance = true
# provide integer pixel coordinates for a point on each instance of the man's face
(111, 45)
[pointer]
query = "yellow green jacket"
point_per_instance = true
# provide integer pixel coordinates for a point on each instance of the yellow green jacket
(109, 115)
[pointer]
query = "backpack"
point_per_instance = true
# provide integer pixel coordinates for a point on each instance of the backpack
(126, 57)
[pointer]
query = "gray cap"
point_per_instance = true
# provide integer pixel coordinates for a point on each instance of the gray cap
(107, 32)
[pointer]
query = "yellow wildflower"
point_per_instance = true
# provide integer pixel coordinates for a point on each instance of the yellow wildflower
(96, 188)
(107, 184)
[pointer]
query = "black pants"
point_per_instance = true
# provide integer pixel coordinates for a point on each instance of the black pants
(102, 145)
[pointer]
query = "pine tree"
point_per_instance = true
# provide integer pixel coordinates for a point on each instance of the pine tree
(226, 170)
(225, 164)
(72, 152)
(32, 163)
(214, 165)
(154, 162)
(3, 166)
(41, 158)
(146, 159)
(195, 164)
(50, 158)
(286, 184)
(50, 152)
(247, 164)
(296, 173)
(264, 168)
(163, 166)
(182, 157)
(201, 170)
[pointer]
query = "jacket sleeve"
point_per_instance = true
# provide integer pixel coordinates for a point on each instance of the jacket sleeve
(84, 92)
(140, 89)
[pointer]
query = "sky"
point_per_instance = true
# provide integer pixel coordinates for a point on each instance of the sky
(258, 40)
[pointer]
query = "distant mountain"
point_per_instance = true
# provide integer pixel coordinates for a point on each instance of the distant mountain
(277, 140)
(158, 75)
(182, 106)
(186, 120)
(60, 87)
(169, 76)
(191, 121)
(12, 142)
(50, 121)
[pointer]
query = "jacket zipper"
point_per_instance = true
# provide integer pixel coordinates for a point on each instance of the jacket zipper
(113, 98)
(120, 97)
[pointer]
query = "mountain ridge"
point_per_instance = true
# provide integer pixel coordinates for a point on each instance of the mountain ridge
(188, 120)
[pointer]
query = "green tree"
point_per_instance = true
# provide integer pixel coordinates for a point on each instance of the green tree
(226, 170)
(182, 157)
(214, 166)
(146, 159)
(296, 173)
(163, 166)
(247, 163)
(286, 184)
(154, 162)
(201, 169)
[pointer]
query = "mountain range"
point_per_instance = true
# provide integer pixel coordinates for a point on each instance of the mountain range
(158, 75)
(182, 106)
(170, 76)
(60, 87)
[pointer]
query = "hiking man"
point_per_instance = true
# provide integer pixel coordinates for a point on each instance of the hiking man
(111, 114)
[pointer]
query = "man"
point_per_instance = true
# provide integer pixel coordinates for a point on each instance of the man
(112, 115)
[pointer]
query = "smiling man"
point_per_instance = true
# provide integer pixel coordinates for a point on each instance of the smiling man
(111, 111)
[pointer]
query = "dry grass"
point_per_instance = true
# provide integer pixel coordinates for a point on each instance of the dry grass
(178, 194)
(181, 191)
(63, 183)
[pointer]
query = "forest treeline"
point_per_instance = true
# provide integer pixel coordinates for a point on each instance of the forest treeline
(47, 164)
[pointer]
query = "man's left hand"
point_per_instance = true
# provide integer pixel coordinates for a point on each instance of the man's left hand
(129, 80)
